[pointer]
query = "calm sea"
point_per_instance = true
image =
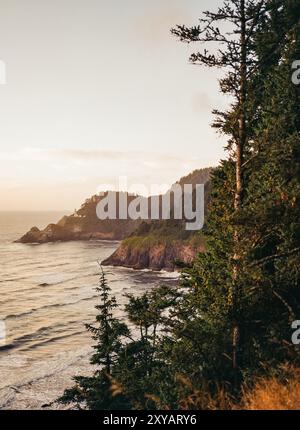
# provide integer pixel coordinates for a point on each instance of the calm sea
(47, 293)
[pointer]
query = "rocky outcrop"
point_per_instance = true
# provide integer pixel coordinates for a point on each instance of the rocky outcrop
(155, 256)
(163, 244)
(55, 233)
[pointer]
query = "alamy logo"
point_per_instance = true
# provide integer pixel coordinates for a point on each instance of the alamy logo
(296, 334)
(179, 203)
(2, 73)
(296, 73)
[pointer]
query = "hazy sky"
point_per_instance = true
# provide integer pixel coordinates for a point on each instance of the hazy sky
(97, 89)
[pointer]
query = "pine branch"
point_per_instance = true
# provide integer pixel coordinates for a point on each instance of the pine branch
(275, 257)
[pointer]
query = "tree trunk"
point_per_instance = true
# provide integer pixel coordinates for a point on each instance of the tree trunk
(240, 144)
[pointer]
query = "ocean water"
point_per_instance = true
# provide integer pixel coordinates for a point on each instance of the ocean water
(47, 293)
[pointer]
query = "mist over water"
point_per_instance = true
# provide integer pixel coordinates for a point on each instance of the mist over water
(47, 293)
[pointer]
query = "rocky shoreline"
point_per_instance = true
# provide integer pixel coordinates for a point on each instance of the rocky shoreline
(155, 257)
(56, 233)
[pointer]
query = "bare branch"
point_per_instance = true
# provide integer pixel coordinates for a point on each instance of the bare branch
(275, 257)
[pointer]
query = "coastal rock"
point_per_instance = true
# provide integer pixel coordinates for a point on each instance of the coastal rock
(99, 231)
(155, 257)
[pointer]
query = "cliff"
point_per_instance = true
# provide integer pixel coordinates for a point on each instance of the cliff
(163, 244)
(155, 252)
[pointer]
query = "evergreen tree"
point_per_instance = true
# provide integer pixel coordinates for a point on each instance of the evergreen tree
(231, 320)
(95, 392)
(256, 295)
(236, 55)
(271, 218)
(130, 368)
(143, 367)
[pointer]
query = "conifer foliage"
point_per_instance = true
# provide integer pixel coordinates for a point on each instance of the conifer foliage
(95, 391)
(231, 319)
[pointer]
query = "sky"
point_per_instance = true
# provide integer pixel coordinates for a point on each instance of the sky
(96, 90)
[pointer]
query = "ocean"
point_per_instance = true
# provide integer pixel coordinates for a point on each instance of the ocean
(47, 294)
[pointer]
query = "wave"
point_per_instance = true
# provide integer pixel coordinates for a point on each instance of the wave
(22, 278)
(41, 333)
(77, 276)
(52, 340)
(47, 283)
(44, 370)
(45, 266)
(49, 306)
(170, 275)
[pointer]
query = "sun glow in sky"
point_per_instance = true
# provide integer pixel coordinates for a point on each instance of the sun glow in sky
(96, 90)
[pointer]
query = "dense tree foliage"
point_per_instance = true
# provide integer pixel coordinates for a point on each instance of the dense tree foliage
(230, 320)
